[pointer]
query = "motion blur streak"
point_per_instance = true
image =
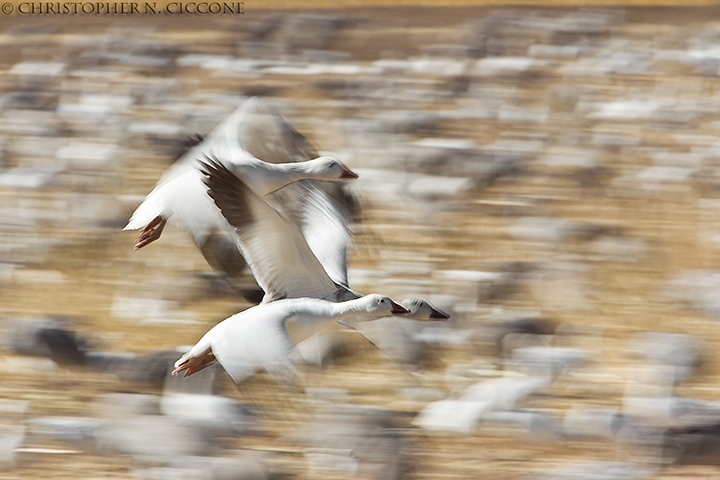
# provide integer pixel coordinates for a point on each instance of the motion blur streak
(550, 177)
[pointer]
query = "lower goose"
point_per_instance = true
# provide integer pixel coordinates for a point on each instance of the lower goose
(258, 338)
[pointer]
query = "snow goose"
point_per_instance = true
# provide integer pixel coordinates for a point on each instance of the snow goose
(184, 195)
(258, 338)
(398, 338)
(256, 130)
(288, 262)
(276, 251)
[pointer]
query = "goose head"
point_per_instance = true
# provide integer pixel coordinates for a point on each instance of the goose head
(382, 305)
(329, 169)
(423, 310)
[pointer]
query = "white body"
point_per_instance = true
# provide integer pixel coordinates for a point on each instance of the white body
(184, 201)
(258, 338)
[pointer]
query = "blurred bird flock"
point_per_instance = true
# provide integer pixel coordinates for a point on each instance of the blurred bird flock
(548, 176)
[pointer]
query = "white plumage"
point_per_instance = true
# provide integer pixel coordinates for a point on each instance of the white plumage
(254, 131)
(258, 337)
(288, 262)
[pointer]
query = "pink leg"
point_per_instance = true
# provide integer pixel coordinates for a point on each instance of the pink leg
(151, 232)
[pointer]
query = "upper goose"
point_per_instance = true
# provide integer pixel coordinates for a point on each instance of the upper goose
(287, 262)
(183, 197)
(258, 338)
(256, 129)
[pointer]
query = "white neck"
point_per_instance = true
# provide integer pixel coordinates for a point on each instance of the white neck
(312, 308)
(314, 315)
(350, 308)
(265, 177)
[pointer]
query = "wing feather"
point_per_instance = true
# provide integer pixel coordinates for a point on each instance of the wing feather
(265, 134)
(278, 255)
(325, 228)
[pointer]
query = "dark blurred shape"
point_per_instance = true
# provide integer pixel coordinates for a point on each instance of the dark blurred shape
(64, 347)
(149, 369)
(49, 337)
(52, 338)
(532, 326)
(262, 90)
(697, 445)
(311, 31)
(30, 100)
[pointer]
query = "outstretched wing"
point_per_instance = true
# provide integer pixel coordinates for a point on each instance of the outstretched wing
(325, 228)
(266, 135)
(278, 255)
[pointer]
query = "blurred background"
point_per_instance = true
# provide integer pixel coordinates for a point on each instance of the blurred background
(549, 176)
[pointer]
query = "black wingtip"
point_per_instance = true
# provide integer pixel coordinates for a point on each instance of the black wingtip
(214, 172)
(438, 314)
(228, 191)
(210, 165)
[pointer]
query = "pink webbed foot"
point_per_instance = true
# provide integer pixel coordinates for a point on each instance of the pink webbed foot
(151, 232)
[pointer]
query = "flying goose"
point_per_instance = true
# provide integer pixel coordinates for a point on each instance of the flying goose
(184, 196)
(288, 262)
(258, 337)
(255, 129)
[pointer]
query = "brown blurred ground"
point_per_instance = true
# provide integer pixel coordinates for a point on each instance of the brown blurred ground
(620, 297)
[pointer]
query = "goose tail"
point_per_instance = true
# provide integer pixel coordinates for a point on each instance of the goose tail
(145, 213)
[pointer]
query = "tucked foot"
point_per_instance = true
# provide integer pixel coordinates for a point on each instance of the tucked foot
(194, 364)
(151, 232)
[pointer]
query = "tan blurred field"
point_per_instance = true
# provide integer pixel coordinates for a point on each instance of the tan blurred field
(675, 223)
